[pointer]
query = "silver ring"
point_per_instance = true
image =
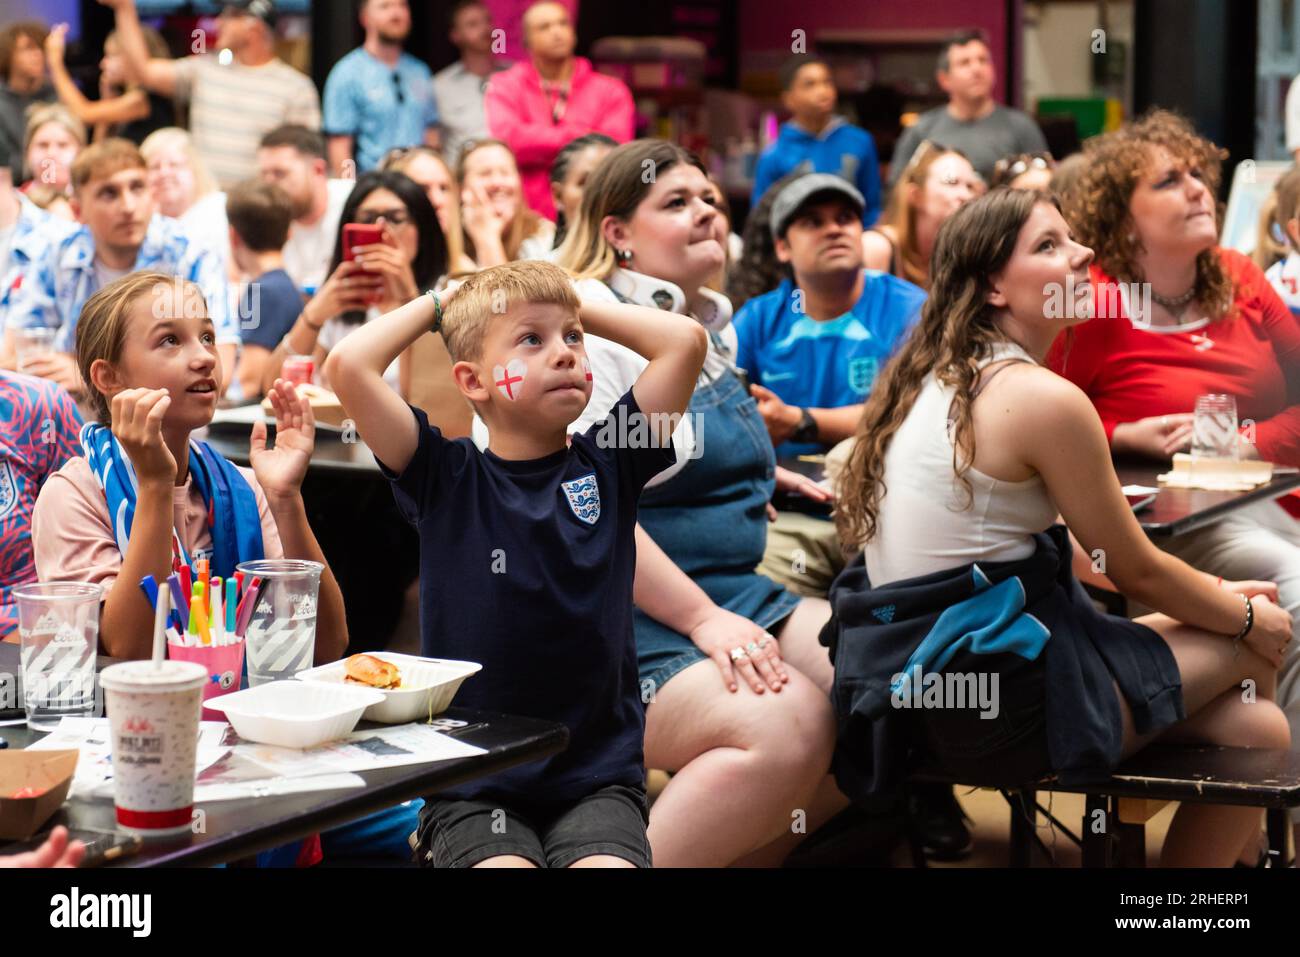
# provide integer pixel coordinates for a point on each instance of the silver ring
(752, 648)
(738, 653)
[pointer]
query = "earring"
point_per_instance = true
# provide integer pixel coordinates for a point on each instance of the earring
(624, 256)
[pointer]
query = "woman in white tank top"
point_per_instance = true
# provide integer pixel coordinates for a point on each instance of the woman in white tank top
(967, 450)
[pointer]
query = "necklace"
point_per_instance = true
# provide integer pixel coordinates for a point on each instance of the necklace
(1175, 305)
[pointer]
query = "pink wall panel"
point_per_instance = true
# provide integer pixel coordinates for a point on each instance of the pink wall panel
(766, 24)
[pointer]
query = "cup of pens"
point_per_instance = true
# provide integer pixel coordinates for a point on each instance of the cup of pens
(210, 636)
(280, 627)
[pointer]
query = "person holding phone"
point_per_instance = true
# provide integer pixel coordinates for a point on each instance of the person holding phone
(389, 250)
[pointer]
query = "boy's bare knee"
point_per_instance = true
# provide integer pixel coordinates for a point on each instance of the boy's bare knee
(506, 860)
(601, 860)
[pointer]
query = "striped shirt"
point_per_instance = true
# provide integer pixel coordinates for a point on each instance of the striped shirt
(233, 107)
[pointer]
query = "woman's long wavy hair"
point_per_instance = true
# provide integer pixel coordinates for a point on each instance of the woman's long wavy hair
(955, 333)
(1098, 208)
(616, 188)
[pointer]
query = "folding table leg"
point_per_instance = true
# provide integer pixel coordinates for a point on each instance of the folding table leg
(1130, 843)
(1096, 846)
(1278, 826)
(1024, 815)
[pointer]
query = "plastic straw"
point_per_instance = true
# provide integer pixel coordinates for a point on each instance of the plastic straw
(160, 626)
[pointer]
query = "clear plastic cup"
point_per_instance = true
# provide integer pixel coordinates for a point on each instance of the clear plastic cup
(280, 639)
(58, 630)
(31, 344)
(153, 716)
(1214, 427)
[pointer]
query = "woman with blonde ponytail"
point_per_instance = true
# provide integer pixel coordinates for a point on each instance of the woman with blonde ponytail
(968, 450)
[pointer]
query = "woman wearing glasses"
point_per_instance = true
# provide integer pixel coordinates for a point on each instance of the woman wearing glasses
(410, 259)
(935, 184)
(1031, 171)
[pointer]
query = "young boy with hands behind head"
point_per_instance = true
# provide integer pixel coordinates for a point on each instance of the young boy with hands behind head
(526, 548)
(147, 351)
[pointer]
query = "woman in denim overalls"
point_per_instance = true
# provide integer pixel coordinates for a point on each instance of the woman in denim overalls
(753, 748)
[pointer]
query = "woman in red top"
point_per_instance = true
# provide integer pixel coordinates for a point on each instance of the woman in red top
(1176, 317)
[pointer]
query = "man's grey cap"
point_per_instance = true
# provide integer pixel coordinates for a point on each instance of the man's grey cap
(797, 193)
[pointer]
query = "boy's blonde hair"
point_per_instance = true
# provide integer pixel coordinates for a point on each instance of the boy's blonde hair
(492, 292)
(101, 329)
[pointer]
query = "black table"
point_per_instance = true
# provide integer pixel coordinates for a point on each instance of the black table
(1175, 511)
(238, 829)
(331, 457)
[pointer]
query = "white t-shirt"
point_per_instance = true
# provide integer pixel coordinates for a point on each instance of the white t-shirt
(106, 274)
(205, 222)
(538, 245)
(308, 252)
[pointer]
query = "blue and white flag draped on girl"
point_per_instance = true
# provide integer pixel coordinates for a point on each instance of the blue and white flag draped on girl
(232, 506)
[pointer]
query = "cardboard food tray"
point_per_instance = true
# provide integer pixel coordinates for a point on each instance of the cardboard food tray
(49, 771)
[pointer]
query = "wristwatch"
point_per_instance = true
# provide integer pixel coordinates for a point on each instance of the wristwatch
(806, 430)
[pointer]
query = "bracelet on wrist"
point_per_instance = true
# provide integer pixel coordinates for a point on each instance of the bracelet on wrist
(1245, 629)
(437, 310)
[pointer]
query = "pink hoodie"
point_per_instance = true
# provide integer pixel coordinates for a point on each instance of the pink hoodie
(519, 113)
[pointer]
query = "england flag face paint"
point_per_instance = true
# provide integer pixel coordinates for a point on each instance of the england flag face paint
(509, 379)
(586, 368)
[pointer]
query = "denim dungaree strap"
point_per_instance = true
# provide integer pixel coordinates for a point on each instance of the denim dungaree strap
(711, 519)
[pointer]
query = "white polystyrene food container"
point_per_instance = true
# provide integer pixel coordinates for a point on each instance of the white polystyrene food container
(294, 714)
(428, 685)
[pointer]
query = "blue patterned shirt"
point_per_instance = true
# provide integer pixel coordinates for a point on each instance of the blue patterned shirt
(378, 106)
(53, 275)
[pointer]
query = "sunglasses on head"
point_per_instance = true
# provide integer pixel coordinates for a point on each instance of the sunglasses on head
(1012, 166)
(923, 149)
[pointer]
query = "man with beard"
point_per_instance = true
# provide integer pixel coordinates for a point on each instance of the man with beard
(460, 88)
(235, 96)
(293, 158)
(543, 102)
(378, 97)
(121, 232)
(972, 121)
